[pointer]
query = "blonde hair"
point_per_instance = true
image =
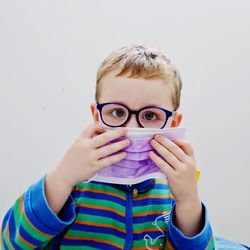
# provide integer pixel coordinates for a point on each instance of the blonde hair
(138, 61)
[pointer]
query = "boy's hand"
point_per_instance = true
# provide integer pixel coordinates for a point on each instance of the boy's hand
(180, 169)
(178, 166)
(86, 156)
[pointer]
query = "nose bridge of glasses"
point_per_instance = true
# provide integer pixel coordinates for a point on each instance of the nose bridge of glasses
(133, 120)
(134, 112)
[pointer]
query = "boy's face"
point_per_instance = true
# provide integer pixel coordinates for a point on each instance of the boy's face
(135, 93)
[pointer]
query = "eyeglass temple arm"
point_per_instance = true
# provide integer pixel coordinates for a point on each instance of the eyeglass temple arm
(174, 113)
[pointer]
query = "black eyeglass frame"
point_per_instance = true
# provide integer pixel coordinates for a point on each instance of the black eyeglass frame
(100, 106)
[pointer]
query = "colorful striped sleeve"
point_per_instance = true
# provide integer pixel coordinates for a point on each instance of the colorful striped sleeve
(203, 240)
(30, 223)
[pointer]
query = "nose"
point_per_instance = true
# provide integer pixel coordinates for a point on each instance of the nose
(132, 122)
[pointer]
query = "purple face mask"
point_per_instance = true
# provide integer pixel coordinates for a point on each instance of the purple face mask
(137, 166)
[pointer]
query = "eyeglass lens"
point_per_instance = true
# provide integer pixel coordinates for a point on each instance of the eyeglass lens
(115, 115)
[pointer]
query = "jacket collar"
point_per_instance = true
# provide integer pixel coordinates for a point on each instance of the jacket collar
(141, 187)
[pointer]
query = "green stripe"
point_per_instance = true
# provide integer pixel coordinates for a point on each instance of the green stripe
(148, 243)
(100, 219)
(152, 208)
(5, 238)
(22, 245)
(16, 212)
(32, 232)
(156, 191)
(17, 217)
(21, 220)
(103, 203)
(77, 248)
(102, 187)
(140, 226)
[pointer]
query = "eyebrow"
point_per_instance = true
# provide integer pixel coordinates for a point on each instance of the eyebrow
(150, 104)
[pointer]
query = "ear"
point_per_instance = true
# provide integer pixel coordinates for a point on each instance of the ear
(176, 120)
(94, 112)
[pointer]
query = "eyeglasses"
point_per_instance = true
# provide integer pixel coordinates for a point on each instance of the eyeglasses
(115, 115)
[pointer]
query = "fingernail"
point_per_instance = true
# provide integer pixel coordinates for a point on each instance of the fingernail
(153, 141)
(156, 136)
(127, 142)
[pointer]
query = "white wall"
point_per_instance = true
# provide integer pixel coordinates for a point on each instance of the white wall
(49, 54)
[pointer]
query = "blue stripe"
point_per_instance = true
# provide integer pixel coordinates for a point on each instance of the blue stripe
(152, 201)
(37, 207)
(98, 229)
(100, 212)
(37, 224)
(28, 237)
(89, 194)
(160, 186)
(12, 229)
(98, 245)
(146, 218)
(33, 219)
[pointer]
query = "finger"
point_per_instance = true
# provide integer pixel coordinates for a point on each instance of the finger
(111, 160)
(111, 148)
(185, 146)
(91, 130)
(166, 154)
(164, 166)
(108, 136)
(172, 147)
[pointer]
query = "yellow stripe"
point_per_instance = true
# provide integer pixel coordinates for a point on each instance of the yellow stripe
(198, 173)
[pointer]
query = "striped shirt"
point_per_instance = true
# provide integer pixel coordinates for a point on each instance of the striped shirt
(101, 216)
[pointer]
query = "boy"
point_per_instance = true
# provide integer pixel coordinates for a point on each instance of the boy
(64, 211)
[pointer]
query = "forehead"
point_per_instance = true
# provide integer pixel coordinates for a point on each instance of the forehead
(136, 92)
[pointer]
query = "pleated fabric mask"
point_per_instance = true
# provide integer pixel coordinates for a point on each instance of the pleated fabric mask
(137, 165)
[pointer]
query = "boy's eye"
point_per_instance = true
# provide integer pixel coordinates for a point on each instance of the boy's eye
(118, 112)
(149, 116)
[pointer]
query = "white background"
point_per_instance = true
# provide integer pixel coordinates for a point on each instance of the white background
(49, 55)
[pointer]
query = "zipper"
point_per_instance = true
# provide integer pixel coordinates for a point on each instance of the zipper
(129, 222)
